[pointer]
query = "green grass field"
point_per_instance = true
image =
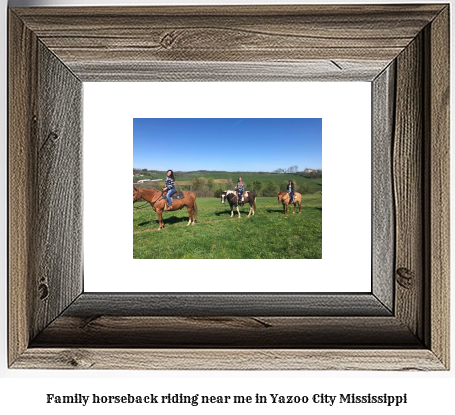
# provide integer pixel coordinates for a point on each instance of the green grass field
(269, 234)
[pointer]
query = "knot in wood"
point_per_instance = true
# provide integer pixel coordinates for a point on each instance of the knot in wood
(168, 40)
(77, 359)
(43, 291)
(53, 137)
(405, 278)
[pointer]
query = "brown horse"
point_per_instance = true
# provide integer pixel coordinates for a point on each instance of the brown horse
(285, 197)
(158, 202)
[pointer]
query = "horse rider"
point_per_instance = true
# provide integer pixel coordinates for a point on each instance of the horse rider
(170, 187)
(240, 189)
(290, 189)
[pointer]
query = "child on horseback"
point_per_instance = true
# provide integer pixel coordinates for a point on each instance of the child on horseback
(291, 190)
(170, 187)
(240, 188)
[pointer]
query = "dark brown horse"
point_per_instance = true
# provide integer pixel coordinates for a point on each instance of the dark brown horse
(158, 202)
(285, 198)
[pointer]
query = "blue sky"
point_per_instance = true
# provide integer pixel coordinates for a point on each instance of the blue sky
(229, 144)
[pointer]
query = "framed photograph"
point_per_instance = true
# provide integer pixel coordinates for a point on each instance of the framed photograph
(205, 141)
(401, 323)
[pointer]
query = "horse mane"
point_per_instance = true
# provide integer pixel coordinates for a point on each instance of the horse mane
(147, 190)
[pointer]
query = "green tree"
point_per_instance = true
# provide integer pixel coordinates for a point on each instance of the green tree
(210, 183)
(284, 186)
(217, 192)
(257, 186)
(270, 189)
(195, 184)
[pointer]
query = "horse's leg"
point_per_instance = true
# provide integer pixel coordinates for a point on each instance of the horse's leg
(160, 219)
(232, 211)
(294, 209)
(238, 211)
(190, 214)
(192, 219)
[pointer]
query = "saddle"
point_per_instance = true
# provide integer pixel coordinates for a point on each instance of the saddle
(176, 196)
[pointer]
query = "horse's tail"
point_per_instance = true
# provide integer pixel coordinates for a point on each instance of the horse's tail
(195, 207)
(254, 204)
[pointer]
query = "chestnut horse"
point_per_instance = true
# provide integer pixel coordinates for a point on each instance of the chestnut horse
(285, 197)
(158, 202)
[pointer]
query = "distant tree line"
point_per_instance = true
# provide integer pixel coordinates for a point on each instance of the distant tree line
(292, 169)
(307, 173)
(206, 187)
(311, 174)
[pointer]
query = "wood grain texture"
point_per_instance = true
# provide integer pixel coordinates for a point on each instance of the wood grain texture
(22, 96)
(44, 187)
(58, 186)
(402, 49)
(308, 71)
(408, 188)
(214, 305)
(229, 359)
(227, 34)
(226, 332)
(383, 215)
(438, 193)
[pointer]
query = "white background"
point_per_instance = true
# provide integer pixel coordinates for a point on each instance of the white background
(24, 391)
(109, 109)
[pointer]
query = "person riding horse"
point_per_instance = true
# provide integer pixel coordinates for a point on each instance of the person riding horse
(240, 189)
(290, 189)
(170, 187)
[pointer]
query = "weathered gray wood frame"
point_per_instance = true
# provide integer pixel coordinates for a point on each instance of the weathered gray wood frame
(403, 324)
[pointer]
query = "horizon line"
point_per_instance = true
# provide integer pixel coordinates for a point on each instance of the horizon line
(227, 171)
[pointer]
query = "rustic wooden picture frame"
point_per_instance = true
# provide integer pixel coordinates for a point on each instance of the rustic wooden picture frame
(403, 324)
